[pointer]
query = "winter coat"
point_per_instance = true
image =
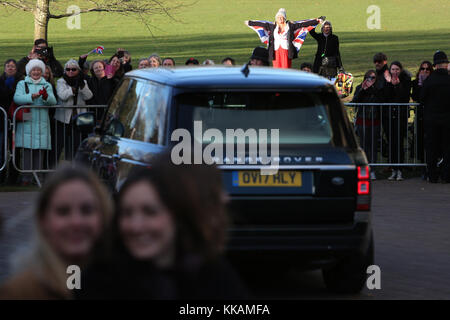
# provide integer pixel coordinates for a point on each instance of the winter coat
(65, 96)
(101, 89)
(381, 84)
(398, 93)
(7, 93)
(415, 94)
(132, 279)
(270, 28)
(34, 133)
(327, 45)
(435, 96)
(367, 115)
(28, 286)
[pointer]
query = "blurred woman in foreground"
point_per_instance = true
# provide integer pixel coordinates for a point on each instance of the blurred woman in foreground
(71, 214)
(169, 238)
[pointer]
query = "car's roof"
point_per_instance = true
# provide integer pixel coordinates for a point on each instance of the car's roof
(231, 77)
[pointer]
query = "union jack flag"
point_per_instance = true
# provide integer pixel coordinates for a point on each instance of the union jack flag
(300, 34)
(262, 33)
(98, 50)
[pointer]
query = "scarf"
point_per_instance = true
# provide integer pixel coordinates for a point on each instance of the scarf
(74, 82)
(36, 81)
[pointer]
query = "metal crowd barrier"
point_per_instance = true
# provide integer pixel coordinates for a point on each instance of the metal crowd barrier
(41, 140)
(3, 139)
(391, 134)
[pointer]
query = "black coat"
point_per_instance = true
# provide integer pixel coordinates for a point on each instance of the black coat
(381, 84)
(7, 94)
(131, 279)
(370, 95)
(327, 45)
(270, 28)
(415, 94)
(435, 96)
(102, 89)
(398, 93)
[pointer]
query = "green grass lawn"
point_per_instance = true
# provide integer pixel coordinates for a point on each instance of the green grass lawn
(410, 31)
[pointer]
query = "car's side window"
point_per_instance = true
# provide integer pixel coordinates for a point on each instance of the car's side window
(130, 105)
(147, 121)
(112, 116)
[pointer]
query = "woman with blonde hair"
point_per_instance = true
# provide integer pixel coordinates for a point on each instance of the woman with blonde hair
(284, 38)
(71, 215)
(155, 60)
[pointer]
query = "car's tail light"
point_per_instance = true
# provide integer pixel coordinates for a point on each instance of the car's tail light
(363, 189)
(363, 173)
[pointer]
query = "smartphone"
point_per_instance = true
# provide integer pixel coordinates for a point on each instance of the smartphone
(109, 70)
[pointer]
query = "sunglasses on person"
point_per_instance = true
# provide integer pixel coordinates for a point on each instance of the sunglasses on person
(422, 69)
(377, 61)
(371, 78)
(71, 69)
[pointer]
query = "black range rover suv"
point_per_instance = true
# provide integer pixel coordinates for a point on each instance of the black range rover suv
(315, 211)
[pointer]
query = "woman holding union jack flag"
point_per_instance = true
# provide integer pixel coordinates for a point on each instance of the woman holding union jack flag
(284, 38)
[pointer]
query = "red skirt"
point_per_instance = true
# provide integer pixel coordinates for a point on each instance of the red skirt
(282, 59)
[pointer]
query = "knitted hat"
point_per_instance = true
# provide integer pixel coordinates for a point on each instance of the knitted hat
(440, 57)
(33, 63)
(72, 62)
(281, 12)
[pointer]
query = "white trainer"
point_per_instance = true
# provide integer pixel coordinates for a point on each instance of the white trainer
(393, 175)
(373, 176)
(399, 176)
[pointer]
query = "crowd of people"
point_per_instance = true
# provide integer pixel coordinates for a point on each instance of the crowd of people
(43, 134)
(392, 84)
(163, 238)
(39, 79)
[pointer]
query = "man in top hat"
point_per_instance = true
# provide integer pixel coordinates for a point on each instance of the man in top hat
(260, 57)
(435, 96)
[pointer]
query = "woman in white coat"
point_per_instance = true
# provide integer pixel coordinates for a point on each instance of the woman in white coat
(72, 90)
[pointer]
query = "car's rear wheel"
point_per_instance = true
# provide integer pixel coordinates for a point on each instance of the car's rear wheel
(349, 275)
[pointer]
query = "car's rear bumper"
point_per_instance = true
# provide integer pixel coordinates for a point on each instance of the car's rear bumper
(316, 244)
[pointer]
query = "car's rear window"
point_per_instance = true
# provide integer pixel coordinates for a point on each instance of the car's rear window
(302, 118)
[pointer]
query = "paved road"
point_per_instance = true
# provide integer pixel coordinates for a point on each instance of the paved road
(412, 244)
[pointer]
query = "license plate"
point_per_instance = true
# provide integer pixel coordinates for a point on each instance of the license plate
(255, 179)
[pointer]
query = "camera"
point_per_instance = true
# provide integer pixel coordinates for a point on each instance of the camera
(42, 51)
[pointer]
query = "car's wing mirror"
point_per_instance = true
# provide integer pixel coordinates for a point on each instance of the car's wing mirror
(85, 122)
(115, 128)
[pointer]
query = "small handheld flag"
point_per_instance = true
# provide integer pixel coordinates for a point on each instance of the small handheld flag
(98, 50)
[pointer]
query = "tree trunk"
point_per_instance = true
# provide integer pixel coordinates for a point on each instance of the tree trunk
(41, 13)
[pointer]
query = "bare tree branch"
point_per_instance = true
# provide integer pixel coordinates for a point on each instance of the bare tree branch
(17, 5)
(143, 10)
